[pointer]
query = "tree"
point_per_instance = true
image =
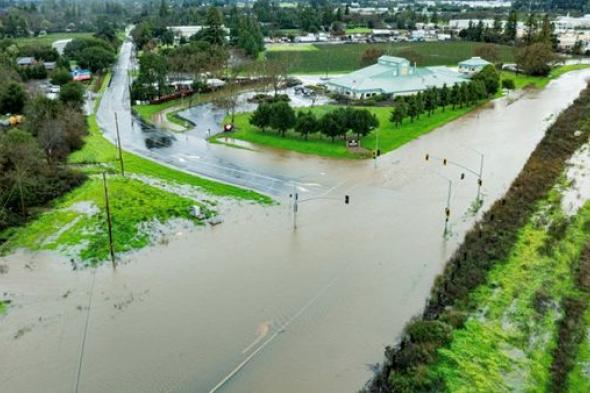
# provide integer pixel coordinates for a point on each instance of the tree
(60, 76)
(153, 71)
(276, 72)
(490, 77)
(306, 123)
(12, 98)
(96, 58)
(361, 121)
(331, 125)
(430, 100)
(531, 28)
(488, 52)
(510, 29)
(508, 84)
(20, 160)
(72, 93)
(282, 117)
(455, 96)
(419, 99)
(535, 59)
(370, 56)
(249, 37)
(444, 97)
(214, 33)
(400, 110)
(412, 107)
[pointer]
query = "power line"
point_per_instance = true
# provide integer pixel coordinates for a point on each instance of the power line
(83, 346)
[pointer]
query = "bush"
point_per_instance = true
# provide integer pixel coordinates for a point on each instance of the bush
(508, 84)
(60, 76)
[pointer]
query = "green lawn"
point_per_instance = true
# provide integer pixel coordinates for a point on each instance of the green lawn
(522, 80)
(507, 341)
(2, 307)
(346, 57)
(358, 30)
(390, 136)
(50, 38)
(99, 151)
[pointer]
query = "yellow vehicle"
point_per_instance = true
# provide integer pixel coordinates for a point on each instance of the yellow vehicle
(15, 120)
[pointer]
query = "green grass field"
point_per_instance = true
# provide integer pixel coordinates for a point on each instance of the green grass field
(346, 57)
(50, 38)
(291, 47)
(522, 80)
(358, 30)
(390, 136)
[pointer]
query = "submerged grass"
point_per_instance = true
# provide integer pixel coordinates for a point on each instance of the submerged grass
(508, 341)
(76, 225)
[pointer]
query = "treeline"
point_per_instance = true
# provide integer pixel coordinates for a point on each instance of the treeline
(24, 19)
(237, 30)
(486, 83)
(33, 158)
(340, 122)
(491, 240)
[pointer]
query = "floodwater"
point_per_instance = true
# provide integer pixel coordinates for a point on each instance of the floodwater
(252, 305)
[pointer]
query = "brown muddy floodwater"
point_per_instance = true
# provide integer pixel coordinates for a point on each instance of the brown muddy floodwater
(251, 305)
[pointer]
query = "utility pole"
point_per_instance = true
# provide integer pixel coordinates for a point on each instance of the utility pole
(479, 181)
(109, 222)
(448, 207)
(119, 145)
(377, 151)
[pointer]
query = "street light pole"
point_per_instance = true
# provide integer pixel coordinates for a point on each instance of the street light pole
(109, 222)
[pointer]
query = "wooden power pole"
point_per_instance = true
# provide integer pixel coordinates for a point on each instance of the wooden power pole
(109, 223)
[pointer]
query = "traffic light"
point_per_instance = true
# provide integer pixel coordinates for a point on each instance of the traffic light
(346, 199)
(427, 157)
(479, 182)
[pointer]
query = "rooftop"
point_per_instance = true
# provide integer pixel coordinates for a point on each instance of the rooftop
(475, 61)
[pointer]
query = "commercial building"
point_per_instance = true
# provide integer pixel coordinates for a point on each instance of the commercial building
(394, 76)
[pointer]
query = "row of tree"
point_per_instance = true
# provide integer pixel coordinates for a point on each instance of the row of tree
(279, 116)
(486, 83)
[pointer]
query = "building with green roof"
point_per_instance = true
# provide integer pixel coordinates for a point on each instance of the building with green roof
(394, 76)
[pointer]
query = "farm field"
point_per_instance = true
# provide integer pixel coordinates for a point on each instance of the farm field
(330, 58)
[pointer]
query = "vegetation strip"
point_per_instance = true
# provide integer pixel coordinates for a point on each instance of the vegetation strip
(488, 243)
(573, 326)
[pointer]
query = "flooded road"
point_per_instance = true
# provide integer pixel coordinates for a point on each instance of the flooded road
(251, 305)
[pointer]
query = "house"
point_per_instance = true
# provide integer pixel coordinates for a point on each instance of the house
(473, 65)
(393, 76)
(50, 65)
(26, 61)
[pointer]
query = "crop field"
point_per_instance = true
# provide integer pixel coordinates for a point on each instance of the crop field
(346, 57)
